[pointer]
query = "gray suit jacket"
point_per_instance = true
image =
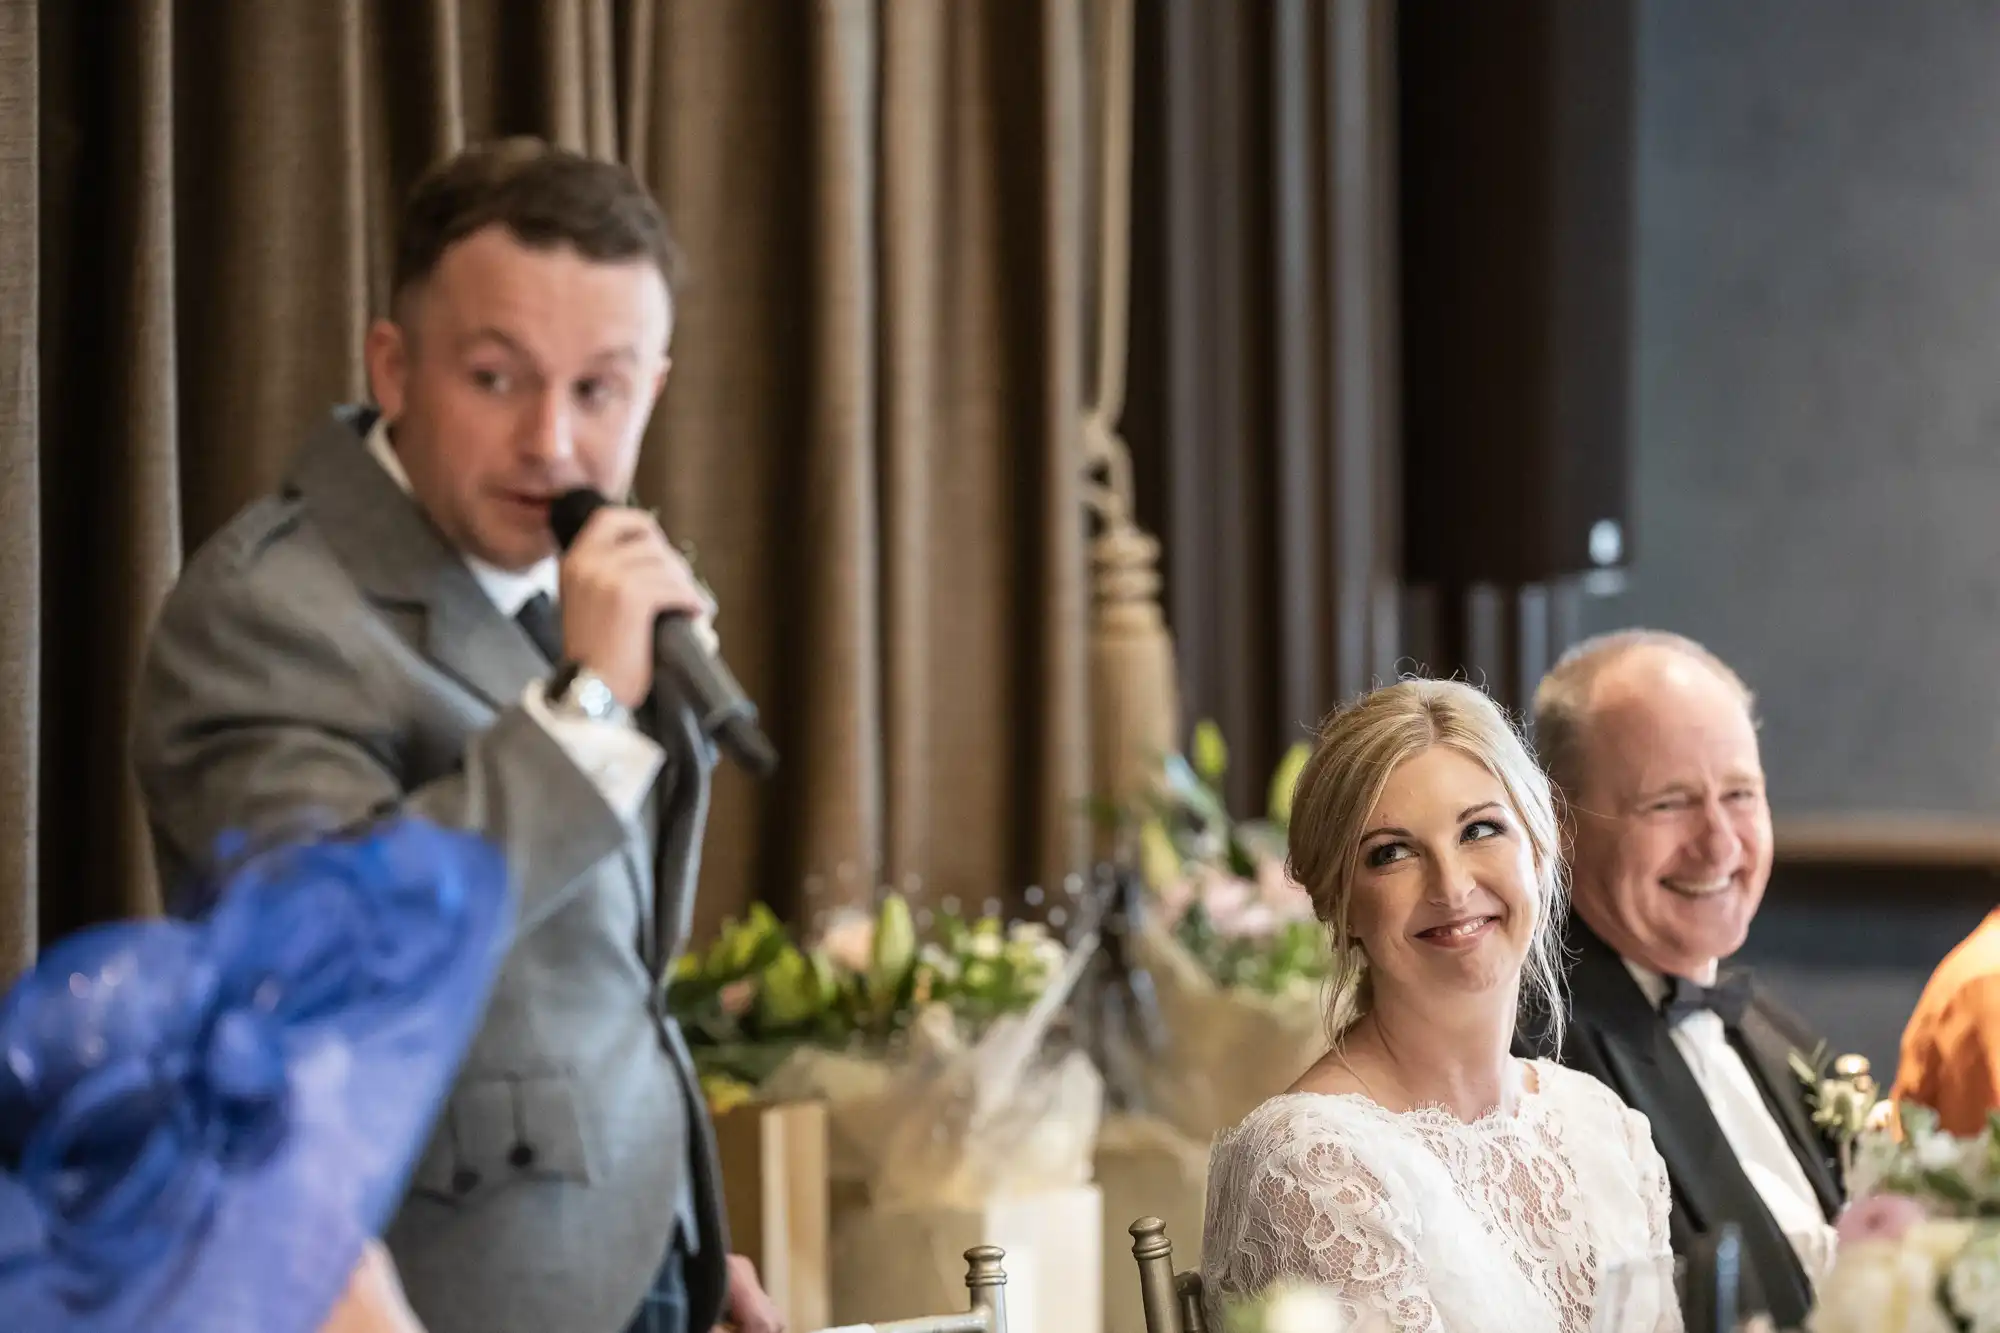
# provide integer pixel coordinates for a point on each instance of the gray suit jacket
(325, 658)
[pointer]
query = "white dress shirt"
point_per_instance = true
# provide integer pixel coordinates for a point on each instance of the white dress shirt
(1746, 1121)
(620, 760)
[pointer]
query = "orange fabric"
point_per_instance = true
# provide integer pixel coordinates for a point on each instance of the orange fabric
(1951, 1048)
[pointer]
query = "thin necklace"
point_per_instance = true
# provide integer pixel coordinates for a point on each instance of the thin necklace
(1518, 1084)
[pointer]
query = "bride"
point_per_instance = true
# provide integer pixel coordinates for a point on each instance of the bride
(1429, 1180)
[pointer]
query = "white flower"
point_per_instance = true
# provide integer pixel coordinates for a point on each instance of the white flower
(1306, 1310)
(1973, 1164)
(1973, 1284)
(1878, 1285)
(1875, 1159)
(1938, 1152)
(934, 957)
(1033, 949)
(984, 944)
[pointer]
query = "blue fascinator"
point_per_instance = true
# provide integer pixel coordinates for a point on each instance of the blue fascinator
(202, 1123)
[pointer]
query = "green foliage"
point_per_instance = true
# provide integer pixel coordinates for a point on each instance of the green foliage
(1201, 860)
(754, 996)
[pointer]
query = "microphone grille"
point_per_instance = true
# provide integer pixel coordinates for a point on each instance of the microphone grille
(571, 510)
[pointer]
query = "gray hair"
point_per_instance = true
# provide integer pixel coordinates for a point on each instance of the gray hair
(1563, 705)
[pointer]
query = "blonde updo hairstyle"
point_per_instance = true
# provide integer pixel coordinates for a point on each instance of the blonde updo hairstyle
(1358, 747)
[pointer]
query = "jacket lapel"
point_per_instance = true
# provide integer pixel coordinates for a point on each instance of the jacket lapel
(1653, 1079)
(1767, 1053)
(1649, 1073)
(682, 796)
(385, 542)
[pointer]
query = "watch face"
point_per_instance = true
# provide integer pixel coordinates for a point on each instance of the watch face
(594, 696)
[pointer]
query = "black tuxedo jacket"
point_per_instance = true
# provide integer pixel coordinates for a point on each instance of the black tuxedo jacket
(1619, 1038)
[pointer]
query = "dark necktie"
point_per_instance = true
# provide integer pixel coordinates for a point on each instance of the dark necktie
(1726, 999)
(542, 623)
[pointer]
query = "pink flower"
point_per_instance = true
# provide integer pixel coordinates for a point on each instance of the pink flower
(1226, 899)
(738, 996)
(1255, 922)
(1878, 1217)
(849, 941)
(1284, 896)
(1175, 899)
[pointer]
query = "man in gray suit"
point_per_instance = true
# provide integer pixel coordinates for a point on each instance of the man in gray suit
(395, 629)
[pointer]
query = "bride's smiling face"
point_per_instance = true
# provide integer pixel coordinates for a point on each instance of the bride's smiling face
(1444, 891)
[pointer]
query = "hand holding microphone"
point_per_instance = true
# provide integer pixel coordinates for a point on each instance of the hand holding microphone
(629, 606)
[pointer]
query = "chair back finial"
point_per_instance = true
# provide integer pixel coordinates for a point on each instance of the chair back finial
(1154, 1254)
(986, 1283)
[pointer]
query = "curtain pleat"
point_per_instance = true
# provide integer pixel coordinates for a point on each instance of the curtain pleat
(1261, 412)
(21, 212)
(869, 437)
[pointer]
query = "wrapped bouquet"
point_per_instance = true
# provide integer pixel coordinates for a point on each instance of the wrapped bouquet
(1223, 890)
(1237, 966)
(1920, 1243)
(930, 1053)
(1236, 955)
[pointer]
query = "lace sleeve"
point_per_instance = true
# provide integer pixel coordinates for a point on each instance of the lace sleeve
(1653, 1189)
(1657, 1198)
(1290, 1201)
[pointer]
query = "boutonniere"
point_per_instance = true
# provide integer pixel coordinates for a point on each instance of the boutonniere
(1843, 1097)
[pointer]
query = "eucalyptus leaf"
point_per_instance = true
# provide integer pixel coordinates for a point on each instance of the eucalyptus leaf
(1947, 1185)
(1194, 795)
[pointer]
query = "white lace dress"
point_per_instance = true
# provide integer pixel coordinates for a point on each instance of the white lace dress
(1423, 1223)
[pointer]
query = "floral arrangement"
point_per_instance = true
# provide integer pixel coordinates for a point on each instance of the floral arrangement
(755, 996)
(1288, 1307)
(1221, 883)
(1236, 960)
(1920, 1243)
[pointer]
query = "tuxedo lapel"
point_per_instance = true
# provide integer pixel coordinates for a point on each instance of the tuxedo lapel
(386, 543)
(1649, 1073)
(1652, 1078)
(1767, 1053)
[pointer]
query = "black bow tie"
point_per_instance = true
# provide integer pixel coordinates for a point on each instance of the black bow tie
(1726, 999)
(543, 623)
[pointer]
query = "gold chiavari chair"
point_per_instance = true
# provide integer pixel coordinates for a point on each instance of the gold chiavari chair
(1172, 1300)
(985, 1282)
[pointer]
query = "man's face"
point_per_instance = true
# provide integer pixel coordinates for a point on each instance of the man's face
(1672, 829)
(513, 375)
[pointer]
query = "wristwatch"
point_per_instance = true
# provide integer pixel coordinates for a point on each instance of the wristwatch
(577, 691)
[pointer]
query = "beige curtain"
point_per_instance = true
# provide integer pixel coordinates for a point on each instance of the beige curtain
(869, 435)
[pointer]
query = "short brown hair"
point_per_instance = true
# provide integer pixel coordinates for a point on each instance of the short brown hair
(545, 196)
(1562, 701)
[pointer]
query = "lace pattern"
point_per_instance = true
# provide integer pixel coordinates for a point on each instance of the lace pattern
(1431, 1224)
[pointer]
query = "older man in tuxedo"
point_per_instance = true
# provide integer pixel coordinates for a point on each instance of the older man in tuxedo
(395, 629)
(1653, 743)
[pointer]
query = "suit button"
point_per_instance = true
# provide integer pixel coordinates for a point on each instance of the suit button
(464, 1181)
(522, 1156)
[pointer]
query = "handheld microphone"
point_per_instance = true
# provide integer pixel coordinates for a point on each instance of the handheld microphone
(727, 715)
